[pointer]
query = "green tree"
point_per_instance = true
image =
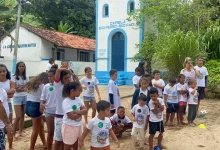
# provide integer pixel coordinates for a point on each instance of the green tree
(78, 14)
(64, 28)
(168, 21)
(210, 41)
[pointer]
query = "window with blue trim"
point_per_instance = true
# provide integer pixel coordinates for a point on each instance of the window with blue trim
(105, 12)
(131, 6)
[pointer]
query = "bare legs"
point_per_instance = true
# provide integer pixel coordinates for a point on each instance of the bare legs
(91, 103)
(151, 138)
(19, 120)
(37, 128)
(50, 131)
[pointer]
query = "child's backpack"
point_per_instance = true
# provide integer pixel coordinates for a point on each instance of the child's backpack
(157, 148)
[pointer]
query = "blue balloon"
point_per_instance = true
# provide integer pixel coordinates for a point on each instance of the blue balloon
(157, 148)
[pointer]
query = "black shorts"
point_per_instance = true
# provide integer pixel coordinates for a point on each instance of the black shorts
(172, 108)
(201, 91)
(155, 126)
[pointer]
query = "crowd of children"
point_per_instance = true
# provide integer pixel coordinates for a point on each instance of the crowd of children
(56, 93)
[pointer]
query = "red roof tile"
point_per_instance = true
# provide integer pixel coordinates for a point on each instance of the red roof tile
(63, 39)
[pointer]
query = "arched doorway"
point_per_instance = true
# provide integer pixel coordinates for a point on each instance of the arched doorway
(118, 51)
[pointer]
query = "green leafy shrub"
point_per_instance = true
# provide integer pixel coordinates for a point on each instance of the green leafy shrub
(213, 67)
(210, 41)
(174, 47)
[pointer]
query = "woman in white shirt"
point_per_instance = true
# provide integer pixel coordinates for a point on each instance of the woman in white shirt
(189, 71)
(32, 108)
(20, 97)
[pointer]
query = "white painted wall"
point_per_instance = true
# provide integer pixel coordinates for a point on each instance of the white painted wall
(117, 12)
(27, 53)
(46, 49)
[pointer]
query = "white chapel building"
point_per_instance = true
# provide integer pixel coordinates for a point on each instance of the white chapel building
(116, 39)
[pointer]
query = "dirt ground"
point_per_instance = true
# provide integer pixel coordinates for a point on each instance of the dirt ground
(185, 138)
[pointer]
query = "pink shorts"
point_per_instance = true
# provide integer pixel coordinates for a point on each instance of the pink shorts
(181, 103)
(71, 134)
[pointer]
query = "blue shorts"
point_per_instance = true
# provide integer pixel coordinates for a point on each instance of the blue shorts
(2, 140)
(86, 98)
(20, 100)
(10, 108)
(32, 109)
(49, 115)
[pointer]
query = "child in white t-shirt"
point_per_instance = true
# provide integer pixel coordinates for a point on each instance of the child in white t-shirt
(61, 78)
(73, 108)
(48, 105)
(101, 128)
(140, 113)
(120, 122)
(171, 100)
(192, 102)
(50, 63)
(158, 83)
(4, 121)
(113, 92)
(202, 80)
(182, 89)
(156, 106)
(90, 85)
(137, 78)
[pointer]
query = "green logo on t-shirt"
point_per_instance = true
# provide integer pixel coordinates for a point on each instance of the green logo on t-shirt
(51, 89)
(100, 124)
(74, 107)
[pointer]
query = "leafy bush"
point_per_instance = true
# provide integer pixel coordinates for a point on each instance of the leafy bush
(210, 41)
(213, 67)
(173, 48)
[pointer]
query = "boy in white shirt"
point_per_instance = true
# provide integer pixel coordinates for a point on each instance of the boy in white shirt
(113, 92)
(158, 83)
(171, 100)
(156, 106)
(202, 80)
(137, 78)
(50, 63)
(101, 129)
(140, 113)
(120, 122)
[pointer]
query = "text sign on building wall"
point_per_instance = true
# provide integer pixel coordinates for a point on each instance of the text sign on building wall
(20, 46)
(102, 53)
(117, 24)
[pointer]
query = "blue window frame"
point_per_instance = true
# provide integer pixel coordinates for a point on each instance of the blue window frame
(130, 6)
(105, 11)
